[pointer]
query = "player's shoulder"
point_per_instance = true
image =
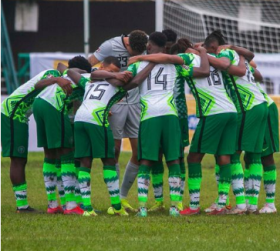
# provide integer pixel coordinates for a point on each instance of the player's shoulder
(117, 43)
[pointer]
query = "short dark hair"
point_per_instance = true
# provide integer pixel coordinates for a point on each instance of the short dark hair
(158, 38)
(181, 46)
(80, 62)
(138, 40)
(171, 35)
(216, 35)
(112, 60)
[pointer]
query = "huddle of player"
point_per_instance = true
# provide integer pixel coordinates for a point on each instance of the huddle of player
(146, 103)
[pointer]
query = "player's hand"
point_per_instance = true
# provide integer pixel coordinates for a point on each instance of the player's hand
(110, 114)
(124, 76)
(65, 84)
(201, 49)
(133, 60)
(196, 45)
(223, 47)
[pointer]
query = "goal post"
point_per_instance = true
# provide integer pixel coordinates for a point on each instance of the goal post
(253, 24)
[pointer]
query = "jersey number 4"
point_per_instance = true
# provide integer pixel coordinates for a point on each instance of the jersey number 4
(160, 79)
(98, 91)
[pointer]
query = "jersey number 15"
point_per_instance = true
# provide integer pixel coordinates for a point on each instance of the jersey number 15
(98, 91)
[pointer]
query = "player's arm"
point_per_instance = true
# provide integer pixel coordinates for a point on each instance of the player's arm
(204, 69)
(238, 70)
(62, 68)
(219, 63)
(257, 75)
(65, 84)
(116, 79)
(138, 77)
(158, 58)
(240, 50)
(77, 78)
(93, 60)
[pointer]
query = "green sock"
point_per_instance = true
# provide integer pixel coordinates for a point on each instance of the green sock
(50, 179)
(112, 181)
(143, 182)
(21, 195)
(224, 184)
(269, 180)
(217, 175)
(68, 174)
(59, 183)
(174, 184)
(255, 178)
(85, 189)
(78, 196)
(157, 180)
(237, 180)
(183, 179)
(194, 182)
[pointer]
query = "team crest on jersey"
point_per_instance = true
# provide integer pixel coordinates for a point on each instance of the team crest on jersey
(186, 67)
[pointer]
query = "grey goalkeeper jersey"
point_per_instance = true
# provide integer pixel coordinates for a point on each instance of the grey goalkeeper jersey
(115, 47)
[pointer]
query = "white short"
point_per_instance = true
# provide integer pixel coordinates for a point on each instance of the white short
(125, 120)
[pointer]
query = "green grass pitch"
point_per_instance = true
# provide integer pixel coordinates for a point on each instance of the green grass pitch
(156, 232)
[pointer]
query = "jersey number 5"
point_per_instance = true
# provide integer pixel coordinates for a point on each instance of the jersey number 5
(158, 80)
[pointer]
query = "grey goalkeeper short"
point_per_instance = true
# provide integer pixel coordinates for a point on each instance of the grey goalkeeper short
(125, 120)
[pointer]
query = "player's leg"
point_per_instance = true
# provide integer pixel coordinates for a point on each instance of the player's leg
(118, 145)
(157, 182)
(171, 148)
(257, 117)
(117, 121)
(131, 129)
(59, 135)
(83, 133)
(130, 175)
(226, 147)
(202, 143)
(271, 145)
(143, 182)
(269, 179)
(43, 113)
(148, 153)
(237, 174)
(184, 126)
(183, 179)
(14, 141)
(102, 143)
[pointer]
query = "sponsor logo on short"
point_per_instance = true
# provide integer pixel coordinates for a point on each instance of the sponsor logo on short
(264, 149)
(21, 149)
(193, 121)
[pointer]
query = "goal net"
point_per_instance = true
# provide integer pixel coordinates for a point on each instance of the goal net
(253, 24)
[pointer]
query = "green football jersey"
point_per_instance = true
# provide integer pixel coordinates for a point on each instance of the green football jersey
(19, 104)
(243, 90)
(210, 93)
(98, 99)
(157, 91)
(55, 95)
